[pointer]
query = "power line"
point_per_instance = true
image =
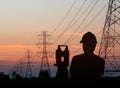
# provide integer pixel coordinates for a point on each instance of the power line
(68, 41)
(71, 21)
(75, 51)
(67, 13)
(83, 20)
(82, 14)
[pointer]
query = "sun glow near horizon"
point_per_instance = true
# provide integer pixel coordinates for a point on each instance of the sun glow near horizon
(22, 20)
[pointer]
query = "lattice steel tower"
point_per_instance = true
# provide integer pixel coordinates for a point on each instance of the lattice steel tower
(44, 63)
(28, 72)
(110, 42)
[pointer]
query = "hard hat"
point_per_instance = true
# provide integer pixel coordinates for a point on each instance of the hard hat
(88, 38)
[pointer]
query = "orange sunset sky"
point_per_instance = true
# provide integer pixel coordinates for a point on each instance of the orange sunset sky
(22, 20)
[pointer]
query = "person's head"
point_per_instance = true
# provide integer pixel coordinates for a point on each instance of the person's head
(89, 42)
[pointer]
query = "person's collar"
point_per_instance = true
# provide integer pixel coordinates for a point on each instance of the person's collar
(88, 52)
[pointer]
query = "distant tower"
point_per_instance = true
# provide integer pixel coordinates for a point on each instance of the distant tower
(28, 72)
(110, 42)
(21, 68)
(17, 70)
(44, 66)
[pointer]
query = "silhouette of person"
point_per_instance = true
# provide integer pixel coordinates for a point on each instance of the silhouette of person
(87, 65)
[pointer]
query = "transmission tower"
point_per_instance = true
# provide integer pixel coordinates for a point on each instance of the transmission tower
(28, 72)
(17, 69)
(110, 42)
(21, 68)
(44, 63)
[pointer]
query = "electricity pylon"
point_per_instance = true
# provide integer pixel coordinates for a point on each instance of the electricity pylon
(110, 42)
(28, 72)
(44, 62)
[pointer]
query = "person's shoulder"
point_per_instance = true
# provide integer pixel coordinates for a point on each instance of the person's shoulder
(100, 58)
(78, 56)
